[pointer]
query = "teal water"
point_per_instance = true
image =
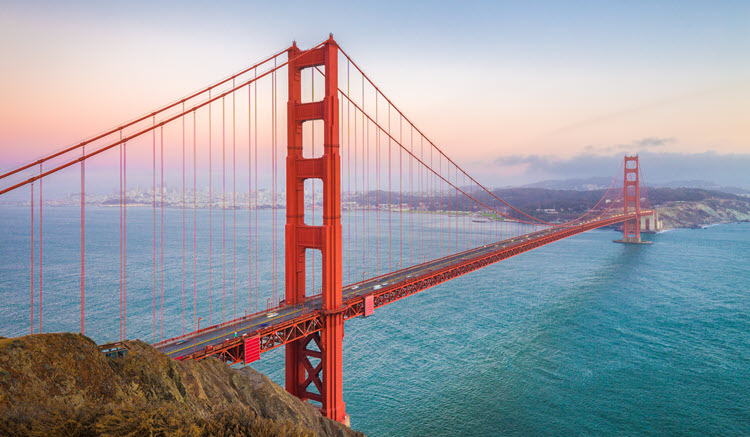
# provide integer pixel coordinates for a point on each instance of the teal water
(581, 337)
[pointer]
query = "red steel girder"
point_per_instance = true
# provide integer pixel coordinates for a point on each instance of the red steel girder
(308, 324)
(270, 338)
(400, 290)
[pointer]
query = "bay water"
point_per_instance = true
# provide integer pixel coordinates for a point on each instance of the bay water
(580, 337)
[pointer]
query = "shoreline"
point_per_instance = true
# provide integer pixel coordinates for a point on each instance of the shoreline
(699, 226)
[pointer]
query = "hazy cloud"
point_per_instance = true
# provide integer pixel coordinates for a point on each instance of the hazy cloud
(633, 147)
(649, 142)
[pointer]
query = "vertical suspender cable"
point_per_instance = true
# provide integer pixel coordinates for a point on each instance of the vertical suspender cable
(183, 220)
(421, 197)
(377, 187)
(411, 195)
(195, 222)
(153, 207)
(441, 214)
(312, 148)
(125, 242)
(249, 200)
(365, 203)
(438, 208)
(432, 206)
(121, 244)
(433, 221)
(472, 228)
(83, 241)
(341, 176)
(435, 205)
(439, 197)
(430, 231)
(273, 181)
(210, 213)
(359, 257)
(276, 156)
(429, 246)
(161, 227)
(425, 199)
(354, 218)
(348, 182)
(223, 212)
(255, 155)
(390, 204)
(495, 222)
(32, 260)
(41, 275)
(234, 205)
(368, 166)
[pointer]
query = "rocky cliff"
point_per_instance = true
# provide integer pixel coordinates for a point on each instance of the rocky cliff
(685, 214)
(61, 384)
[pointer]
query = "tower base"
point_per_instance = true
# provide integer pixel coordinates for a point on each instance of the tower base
(631, 241)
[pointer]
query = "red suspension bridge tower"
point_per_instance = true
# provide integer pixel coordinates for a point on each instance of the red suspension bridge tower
(301, 373)
(631, 192)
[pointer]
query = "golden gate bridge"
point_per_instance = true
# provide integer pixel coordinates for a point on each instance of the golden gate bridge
(432, 220)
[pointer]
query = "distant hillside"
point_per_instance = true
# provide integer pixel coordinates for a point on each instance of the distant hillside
(598, 183)
(659, 196)
(706, 185)
(691, 214)
(567, 203)
(570, 204)
(62, 385)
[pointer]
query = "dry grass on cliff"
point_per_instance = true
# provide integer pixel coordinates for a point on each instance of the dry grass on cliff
(146, 420)
(61, 385)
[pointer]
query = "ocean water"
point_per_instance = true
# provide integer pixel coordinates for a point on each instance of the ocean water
(580, 337)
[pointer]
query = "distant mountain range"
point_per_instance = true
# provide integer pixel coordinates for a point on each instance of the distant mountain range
(601, 183)
(588, 184)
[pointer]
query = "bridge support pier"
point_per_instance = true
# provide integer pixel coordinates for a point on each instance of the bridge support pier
(631, 229)
(321, 382)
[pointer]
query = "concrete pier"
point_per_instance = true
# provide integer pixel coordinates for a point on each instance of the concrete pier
(631, 241)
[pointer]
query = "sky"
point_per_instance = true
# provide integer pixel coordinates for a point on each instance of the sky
(515, 92)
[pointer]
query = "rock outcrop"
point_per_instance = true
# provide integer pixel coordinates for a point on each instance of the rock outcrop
(61, 384)
(679, 214)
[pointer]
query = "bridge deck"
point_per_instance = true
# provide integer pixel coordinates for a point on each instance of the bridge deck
(287, 323)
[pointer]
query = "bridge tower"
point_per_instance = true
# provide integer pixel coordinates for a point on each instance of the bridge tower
(631, 229)
(301, 373)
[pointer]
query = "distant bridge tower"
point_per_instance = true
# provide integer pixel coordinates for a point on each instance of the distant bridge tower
(631, 229)
(302, 374)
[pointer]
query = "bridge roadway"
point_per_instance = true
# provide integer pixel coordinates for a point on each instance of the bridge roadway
(287, 323)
